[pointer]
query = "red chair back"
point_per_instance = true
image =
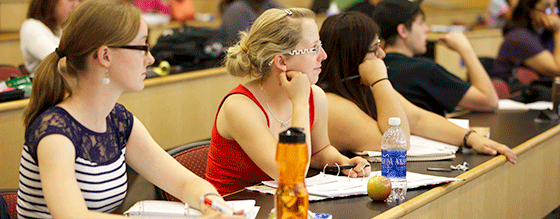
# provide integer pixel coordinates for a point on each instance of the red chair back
(10, 196)
(192, 156)
(526, 76)
(501, 88)
(7, 71)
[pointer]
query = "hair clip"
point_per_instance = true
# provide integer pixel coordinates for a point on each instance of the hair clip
(288, 12)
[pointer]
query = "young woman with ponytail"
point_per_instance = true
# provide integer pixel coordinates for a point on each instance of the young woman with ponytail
(78, 140)
(282, 52)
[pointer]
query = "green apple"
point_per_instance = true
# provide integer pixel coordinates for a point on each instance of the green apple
(379, 188)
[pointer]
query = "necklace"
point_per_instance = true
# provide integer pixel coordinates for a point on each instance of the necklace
(284, 123)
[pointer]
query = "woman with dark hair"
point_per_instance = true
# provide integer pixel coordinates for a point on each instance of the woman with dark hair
(361, 98)
(40, 32)
(238, 15)
(531, 40)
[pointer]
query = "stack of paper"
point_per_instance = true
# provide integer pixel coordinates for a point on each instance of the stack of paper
(421, 149)
(328, 186)
(507, 104)
(171, 209)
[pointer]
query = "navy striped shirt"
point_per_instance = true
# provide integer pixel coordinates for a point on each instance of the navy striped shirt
(100, 168)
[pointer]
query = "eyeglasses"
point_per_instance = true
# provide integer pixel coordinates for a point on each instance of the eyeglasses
(314, 49)
(375, 48)
(145, 48)
(549, 10)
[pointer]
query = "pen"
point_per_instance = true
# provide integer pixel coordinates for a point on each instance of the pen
(343, 167)
(216, 205)
(439, 169)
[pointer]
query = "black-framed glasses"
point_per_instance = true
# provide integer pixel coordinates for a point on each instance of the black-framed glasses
(549, 10)
(145, 48)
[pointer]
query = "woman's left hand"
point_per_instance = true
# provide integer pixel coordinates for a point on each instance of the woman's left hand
(361, 164)
(488, 146)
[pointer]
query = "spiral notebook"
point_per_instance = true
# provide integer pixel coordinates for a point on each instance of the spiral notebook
(421, 149)
(324, 186)
(171, 209)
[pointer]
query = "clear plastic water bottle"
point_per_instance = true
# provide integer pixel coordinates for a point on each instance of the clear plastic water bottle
(393, 163)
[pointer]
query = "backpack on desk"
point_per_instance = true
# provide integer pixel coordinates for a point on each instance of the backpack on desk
(191, 47)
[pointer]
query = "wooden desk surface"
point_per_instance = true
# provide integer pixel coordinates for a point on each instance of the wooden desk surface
(516, 129)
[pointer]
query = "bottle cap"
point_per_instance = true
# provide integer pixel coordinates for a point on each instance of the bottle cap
(394, 121)
(292, 135)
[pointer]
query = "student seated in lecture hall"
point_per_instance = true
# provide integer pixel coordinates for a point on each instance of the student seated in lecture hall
(283, 53)
(531, 40)
(420, 80)
(238, 15)
(361, 99)
(40, 32)
(91, 136)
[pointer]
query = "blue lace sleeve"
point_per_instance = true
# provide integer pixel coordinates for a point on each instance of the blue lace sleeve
(53, 121)
(124, 121)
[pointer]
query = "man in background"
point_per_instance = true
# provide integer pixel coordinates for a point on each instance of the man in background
(421, 80)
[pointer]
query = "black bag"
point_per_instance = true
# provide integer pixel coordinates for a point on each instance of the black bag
(190, 47)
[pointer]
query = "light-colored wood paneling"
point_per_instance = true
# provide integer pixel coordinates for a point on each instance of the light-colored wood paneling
(176, 109)
(485, 42)
(10, 53)
(497, 189)
(12, 15)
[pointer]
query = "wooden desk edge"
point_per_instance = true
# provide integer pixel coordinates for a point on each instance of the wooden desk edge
(427, 197)
(151, 82)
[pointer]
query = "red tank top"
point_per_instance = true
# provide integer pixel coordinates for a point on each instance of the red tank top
(229, 168)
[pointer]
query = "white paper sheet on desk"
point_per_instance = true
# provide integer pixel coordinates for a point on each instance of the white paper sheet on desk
(507, 104)
(421, 149)
(327, 185)
(171, 209)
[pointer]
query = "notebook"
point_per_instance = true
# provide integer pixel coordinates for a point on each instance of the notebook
(421, 149)
(171, 209)
(323, 186)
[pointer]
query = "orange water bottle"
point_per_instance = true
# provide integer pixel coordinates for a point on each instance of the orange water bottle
(292, 199)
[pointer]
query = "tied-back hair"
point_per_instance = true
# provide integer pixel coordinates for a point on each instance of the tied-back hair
(44, 11)
(347, 38)
(274, 32)
(92, 24)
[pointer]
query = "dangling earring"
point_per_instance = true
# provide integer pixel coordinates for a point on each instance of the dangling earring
(106, 80)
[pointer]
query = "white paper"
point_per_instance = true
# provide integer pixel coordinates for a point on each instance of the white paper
(337, 186)
(507, 104)
(171, 209)
(421, 147)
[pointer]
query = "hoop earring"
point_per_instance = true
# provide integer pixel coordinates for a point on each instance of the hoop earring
(106, 80)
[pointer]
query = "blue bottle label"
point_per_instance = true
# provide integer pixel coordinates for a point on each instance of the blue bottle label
(393, 163)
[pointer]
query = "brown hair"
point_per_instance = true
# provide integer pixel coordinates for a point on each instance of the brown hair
(274, 32)
(44, 11)
(92, 24)
(347, 38)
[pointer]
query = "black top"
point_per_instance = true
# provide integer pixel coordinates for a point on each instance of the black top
(425, 83)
